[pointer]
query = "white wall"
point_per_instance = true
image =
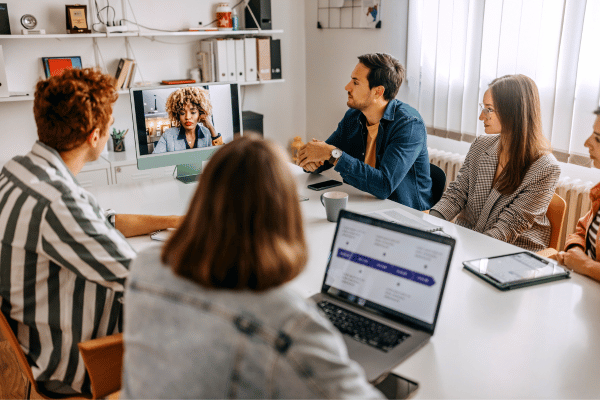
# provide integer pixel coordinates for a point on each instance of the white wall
(282, 104)
(331, 55)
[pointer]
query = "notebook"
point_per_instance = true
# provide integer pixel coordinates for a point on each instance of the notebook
(383, 288)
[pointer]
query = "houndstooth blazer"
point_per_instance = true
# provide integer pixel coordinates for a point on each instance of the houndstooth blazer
(518, 218)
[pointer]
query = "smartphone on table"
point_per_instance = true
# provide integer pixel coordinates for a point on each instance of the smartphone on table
(324, 185)
(396, 387)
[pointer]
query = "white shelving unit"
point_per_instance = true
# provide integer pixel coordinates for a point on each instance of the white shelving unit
(29, 96)
(150, 34)
(207, 33)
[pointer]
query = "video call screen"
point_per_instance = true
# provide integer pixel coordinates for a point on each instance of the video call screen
(153, 122)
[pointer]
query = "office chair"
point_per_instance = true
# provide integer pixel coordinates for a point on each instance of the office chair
(103, 359)
(438, 182)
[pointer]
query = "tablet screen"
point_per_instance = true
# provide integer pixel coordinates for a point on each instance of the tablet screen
(515, 267)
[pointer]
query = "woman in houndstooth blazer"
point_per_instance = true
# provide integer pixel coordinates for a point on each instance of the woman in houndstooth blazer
(509, 176)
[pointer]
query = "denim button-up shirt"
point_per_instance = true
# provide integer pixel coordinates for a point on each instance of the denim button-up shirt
(401, 171)
(174, 139)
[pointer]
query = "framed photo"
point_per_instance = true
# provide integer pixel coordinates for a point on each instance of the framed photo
(54, 66)
(77, 19)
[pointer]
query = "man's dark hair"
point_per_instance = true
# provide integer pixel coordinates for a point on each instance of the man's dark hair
(597, 112)
(385, 71)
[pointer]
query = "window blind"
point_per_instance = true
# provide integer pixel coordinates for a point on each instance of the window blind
(457, 47)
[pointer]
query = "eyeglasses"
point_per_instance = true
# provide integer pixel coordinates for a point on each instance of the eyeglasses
(486, 111)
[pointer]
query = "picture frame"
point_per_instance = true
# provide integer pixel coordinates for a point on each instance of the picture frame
(77, 19)
(54, 66)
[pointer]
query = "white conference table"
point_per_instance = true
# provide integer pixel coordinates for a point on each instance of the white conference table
(541, 341)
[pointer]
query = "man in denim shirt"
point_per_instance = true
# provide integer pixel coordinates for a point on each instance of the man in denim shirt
(380, 146)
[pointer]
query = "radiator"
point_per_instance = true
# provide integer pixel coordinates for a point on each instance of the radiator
(575, 192)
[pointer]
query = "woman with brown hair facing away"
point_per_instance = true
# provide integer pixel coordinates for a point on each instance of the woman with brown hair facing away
(209, 314)
(509, 176)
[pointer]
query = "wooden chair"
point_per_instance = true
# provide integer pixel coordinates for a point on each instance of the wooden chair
(556, 215)
(103, 359)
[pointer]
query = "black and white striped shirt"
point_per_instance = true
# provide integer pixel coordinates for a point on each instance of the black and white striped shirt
(591, 236)
(62, 265)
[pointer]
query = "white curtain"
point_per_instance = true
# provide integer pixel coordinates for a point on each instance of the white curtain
(457, 47)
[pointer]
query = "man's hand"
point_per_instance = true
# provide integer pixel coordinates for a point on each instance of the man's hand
(313, 166)
(574, 258)
(315, 152)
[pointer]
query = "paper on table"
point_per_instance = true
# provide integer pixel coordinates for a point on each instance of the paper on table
(162, 236)
(399, 216)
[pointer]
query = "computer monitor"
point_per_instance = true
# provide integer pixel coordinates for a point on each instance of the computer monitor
(151, 120)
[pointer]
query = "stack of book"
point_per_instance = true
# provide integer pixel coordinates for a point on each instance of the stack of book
(239, 60)
(125, 73)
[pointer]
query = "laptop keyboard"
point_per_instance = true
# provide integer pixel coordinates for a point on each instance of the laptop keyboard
(362, 329)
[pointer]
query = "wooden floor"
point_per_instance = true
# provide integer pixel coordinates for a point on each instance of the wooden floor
(13, 382)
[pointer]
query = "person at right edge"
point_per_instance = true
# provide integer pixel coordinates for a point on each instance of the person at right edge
(581, 250)
(380, 146)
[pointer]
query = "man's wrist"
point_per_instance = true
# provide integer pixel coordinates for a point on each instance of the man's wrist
(335, 155)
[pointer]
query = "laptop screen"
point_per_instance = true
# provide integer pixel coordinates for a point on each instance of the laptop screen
(390, 268)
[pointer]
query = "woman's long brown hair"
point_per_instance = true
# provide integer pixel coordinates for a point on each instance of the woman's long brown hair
(243, 229)
(517, 105)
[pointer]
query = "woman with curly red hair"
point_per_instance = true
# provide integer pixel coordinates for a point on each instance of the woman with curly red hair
(190, 111)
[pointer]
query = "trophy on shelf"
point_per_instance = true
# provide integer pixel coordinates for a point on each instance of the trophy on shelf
(29, 22)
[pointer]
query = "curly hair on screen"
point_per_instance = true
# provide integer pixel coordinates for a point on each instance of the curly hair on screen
(243, 228)
(196, 96)
(68, 107)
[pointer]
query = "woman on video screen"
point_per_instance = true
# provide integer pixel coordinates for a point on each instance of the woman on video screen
(190, 110)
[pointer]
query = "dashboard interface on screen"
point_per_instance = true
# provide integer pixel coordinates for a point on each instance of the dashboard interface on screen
(160, 131)
(392, 270)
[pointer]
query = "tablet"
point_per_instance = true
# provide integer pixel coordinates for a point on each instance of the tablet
(511, 271)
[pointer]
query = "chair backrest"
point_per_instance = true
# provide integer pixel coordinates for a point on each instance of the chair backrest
(9, 335)
(556, 214)
(103, 359)
(438, 182)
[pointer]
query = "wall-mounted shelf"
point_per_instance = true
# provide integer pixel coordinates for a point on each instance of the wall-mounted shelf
(29, 96)
(144, 34)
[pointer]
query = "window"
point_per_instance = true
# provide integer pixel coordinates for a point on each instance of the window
(457, 47)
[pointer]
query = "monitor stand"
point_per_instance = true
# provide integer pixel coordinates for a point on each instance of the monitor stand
(188, 173)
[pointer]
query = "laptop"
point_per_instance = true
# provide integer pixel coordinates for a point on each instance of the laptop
(383, 288)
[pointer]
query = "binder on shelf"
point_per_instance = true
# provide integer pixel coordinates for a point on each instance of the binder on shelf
(240, 65)
(263, 56)
(220, 57)
(250, 59)
(276, 59)
(206, 61)
(231, 76)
